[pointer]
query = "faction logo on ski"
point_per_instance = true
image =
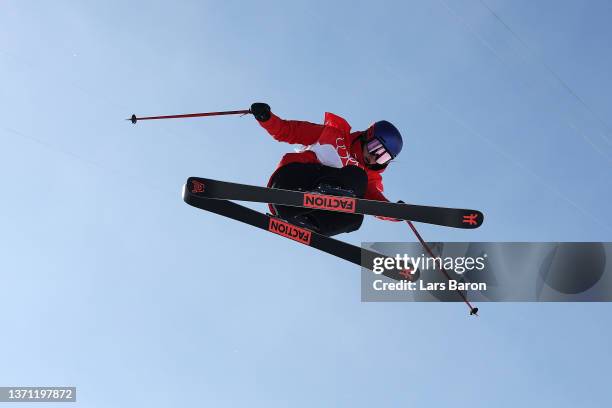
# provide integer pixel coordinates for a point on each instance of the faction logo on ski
(198, 187)
(470, 219)
(326, 202)
(290, 231)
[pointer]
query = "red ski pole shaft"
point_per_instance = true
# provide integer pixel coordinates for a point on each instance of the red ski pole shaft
(473, 310)
(135, 119)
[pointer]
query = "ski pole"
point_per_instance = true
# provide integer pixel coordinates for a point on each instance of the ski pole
(135, 119)
(473, 310)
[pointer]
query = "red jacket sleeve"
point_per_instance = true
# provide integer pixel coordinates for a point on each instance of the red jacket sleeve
(375, 188)
(375, 192)
(292, 131)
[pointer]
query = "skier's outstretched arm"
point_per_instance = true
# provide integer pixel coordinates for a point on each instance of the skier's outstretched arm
(289, 131)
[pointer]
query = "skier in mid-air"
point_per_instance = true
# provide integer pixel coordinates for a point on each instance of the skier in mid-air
(333, 161)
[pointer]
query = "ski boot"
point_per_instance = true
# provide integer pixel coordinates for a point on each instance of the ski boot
(304, 220)
(329, 189)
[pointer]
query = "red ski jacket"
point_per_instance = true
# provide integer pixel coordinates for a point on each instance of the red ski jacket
(330, 144)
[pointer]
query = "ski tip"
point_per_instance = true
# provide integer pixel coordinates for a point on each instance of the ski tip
(474, 311)
(133, 119)
(471, 219)
(195, 185)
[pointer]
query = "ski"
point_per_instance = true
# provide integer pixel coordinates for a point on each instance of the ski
(448, 217)
(352, 253)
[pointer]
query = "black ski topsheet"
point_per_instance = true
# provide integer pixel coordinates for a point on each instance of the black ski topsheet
(344, 250)
(448, 217)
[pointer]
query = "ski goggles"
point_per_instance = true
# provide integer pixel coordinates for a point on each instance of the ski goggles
(378, 151)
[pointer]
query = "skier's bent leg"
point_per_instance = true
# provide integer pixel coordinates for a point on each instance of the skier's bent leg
(295, 176)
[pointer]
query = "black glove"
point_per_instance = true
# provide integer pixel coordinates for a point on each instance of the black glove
(261, 111)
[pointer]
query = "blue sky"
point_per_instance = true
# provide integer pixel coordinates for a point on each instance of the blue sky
(112, 284)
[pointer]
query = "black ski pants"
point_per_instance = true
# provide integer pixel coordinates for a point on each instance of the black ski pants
(306, 177)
